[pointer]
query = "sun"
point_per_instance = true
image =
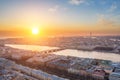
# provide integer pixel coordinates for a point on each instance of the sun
(35, 30)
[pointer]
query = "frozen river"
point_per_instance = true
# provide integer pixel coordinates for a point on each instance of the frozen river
(70, 52)
(90, 54)
(31, 47)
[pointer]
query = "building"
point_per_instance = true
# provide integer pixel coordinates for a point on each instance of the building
(114, 76)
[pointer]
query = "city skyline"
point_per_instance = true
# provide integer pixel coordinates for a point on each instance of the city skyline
(60, 17)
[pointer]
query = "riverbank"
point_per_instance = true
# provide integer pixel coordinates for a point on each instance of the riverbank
(73, 68)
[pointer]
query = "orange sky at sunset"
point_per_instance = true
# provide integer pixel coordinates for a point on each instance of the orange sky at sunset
(59, 18)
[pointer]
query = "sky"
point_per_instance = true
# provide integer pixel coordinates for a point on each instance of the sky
(60, 17)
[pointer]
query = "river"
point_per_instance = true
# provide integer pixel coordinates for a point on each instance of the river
(70, 52)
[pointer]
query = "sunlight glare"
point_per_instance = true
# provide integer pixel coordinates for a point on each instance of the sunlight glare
(35, 30)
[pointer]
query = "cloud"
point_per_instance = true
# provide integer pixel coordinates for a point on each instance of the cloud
(113, 7)
(103, 21)
(54, 9)
(65, 8)
(76, 2)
